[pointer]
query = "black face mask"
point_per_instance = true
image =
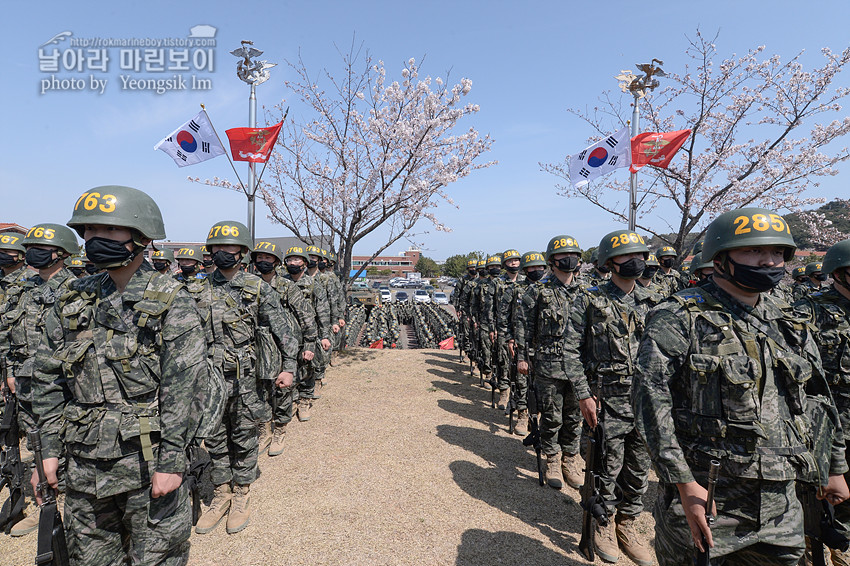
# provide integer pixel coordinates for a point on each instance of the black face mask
(631, 269)
(535, 275)
(39, 258)
(187, 269)
(264, 267)
(109, 254)
(207, 263)
(649, 272)
(494, 271)
(77, 271)
(294, 269)
(8, 259)
(666, 262)
(312, 263)
(822, 277)
(514, 269)
(752, 278)
(91, 268)
(482, 272)
(224, 260)
(567, 264)
(472, 272)
(323, 265)
(603, 269)
(160, 265)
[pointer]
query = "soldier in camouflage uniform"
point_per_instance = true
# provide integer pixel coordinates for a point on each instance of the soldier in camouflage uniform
(502, 322)
(815, 278)
(326, 293)
(484, 305)
(189, 267)
(512, 328)
(116, 384)
(326, 267)
(12, 266)
(829, 312)
(162, 259)
(598, 274)
(267, 258)
(669, 280)
(22, 324)
(726, 373)
(295, 260)
(600, 350)
(76, 265)
(461, 298)
(207, 261)
(545, 310)
(243, 308)
(700, 270)
(469, 302)
(647, 278)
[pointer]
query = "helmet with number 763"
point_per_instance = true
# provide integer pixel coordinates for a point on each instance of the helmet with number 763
(114, 205)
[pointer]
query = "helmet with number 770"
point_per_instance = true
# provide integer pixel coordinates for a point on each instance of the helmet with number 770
(114, 205)
(747, 227)
(621, 242)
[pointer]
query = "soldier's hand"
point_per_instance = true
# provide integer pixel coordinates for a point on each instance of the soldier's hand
(492, 336)
(522, 367)
(326, 344)
(341, 322)
(588, 411)
(693, 497)
(50, 467)
(335, 328)
(835, 491)
(284, 379)
(163, 483)
(511, 349)
(307, 355)
(10, 383)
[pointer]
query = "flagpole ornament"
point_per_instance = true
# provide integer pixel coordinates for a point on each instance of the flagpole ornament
(248, 69)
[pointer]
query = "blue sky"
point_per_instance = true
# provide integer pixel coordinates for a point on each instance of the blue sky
(529, 62)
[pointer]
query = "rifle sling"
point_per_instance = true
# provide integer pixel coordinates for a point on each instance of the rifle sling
(46, 520)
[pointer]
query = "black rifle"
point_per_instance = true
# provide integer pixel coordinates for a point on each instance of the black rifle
(533, 438)
(701, 558)
(51, 547)
(592, 501)
(513, 399)
(473, 348)
(197, 466)
(819, 523)
(11, 467)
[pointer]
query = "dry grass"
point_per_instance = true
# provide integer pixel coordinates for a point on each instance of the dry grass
(403, 463)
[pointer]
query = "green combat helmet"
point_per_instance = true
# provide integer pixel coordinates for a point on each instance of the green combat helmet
(164, 254)
(697, 247)
(11, 241)
(666, 251)
(697, 263)
(266, 248)
(494, 259)
(594, 256)
(190, 252)
(472, 263)
(815, 267)
(798, 272)
(54, 235)
(562, 245)
(114, 205)
(296, 251)
(531, 259)
(652, 261)
(511, 254)
(621, 242)
(836, 257)
(229, 232)
(747, 227)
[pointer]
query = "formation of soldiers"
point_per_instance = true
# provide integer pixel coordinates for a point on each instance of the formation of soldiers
(724, 363)
(127, 368)
(431, 324)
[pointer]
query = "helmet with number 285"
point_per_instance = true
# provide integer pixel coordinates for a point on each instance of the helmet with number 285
(114, 205)
(747, 227)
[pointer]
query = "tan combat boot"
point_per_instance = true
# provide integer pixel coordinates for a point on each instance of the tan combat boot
(504, 398)
(217, 510)
(553, 471)
(276, 446)
(265, 436)
(839, 558)
(605, 542)
(240, 512)
(572, 466)
(304, 410)
(631, 542)
(521, 427)
(29, 523)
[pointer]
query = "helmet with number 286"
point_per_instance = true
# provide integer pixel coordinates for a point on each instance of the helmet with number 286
(562, 245)
(747, 227)
(621, 242)
(114, 205)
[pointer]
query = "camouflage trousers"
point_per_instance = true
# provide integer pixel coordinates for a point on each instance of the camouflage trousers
(502, 366)
(305, 380)
(485, 352)
(463, 333)
(627, 459)
(129, 527)
(560, 419)
(521, 392)
(758, 523)
(321, 359)
(234, 446)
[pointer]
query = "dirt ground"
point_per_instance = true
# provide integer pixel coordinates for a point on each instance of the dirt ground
(403, 463)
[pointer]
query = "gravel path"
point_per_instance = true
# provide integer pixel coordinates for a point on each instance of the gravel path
(403, 463)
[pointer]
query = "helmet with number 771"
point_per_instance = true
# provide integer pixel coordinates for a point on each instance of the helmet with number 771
(114, 205)
(621, 242)
(747, 227)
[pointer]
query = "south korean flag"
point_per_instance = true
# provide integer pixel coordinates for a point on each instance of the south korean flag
(193, 142)
(601, 158)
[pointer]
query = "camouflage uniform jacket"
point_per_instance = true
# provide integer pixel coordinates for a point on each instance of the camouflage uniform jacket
(116, 375)
(605, 326)
(543, 324)
(717, 379)
(8, 283)
(466, 296)
(333, 292)
(477, 301)
(488, 299)
(506, 308)
(669, 283)
(239, 307)
(318, 298)
(298, 310)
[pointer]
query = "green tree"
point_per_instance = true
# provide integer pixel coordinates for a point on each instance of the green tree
(455, 266)
(427, 267)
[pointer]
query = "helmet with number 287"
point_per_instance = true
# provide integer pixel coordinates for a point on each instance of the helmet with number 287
(114, 205)
(747, 227)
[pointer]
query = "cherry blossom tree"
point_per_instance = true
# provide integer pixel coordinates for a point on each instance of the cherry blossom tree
(374, 153)
(762, 132)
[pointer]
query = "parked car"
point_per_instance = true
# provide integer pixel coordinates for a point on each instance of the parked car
(376, 284)
(421, 296)
(359, 285)
(401, 297)
(441, 298)
(398, 284)
(386, 296)
(429, 288)
(413, 284)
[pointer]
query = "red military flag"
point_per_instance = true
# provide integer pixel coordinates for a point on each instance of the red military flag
(656, 149)
(448, 343)
(377, 344)
(253, 144)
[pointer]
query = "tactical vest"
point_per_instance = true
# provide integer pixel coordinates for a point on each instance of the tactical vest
(235, 320)
(834, 336)
(745, 400)
(281, 285)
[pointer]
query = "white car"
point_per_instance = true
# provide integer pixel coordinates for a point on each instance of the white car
(421, 296)
(386, 296)
(440, 298)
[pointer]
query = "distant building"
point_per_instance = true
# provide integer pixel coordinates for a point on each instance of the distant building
(12, 227)
(397, 264)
